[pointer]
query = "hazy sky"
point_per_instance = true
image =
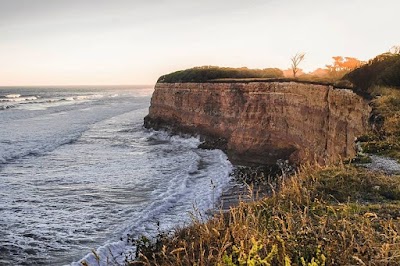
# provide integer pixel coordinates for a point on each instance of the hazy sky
(65, 42)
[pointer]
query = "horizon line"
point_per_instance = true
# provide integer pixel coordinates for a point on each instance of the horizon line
(73, 85)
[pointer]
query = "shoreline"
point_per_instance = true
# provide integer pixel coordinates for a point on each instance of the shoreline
(251, 183)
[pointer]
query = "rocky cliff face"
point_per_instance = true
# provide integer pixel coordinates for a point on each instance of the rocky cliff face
(261, 122)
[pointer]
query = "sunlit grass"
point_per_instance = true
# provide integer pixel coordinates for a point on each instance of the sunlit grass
(336, 215)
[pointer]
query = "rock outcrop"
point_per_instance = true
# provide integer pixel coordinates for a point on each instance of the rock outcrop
(261, 122)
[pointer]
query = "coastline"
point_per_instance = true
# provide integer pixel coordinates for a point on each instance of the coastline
(293, 221)
(312, 126)
(248, 184)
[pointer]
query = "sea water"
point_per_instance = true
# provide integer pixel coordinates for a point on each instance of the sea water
(79, 173)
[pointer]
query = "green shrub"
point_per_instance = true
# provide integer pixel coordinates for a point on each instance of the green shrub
(207, 73)
(382, 70)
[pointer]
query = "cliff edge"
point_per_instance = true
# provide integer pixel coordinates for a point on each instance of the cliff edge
(261, 122)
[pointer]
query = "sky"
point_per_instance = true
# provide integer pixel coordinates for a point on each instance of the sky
(99, 42)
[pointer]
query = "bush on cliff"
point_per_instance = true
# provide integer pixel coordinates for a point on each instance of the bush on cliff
(207, 73)
(382, 70)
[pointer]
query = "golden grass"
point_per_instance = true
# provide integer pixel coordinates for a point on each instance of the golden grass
(321, 216)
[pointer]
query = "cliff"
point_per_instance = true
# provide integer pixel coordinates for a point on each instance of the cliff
(261, 122)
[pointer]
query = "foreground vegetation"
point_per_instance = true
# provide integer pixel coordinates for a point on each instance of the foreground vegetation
(338, 215)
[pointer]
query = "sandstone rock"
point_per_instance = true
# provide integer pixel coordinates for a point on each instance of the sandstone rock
(261, 122)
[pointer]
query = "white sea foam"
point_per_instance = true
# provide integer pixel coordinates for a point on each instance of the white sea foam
(12, 95)
(83, 97)
(18, 99)
(80, 176)
(210, 180)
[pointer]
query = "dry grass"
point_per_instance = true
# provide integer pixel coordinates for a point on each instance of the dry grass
(321, 216)
(385, 138)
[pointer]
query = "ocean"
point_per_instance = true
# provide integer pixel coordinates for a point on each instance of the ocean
(79, 173)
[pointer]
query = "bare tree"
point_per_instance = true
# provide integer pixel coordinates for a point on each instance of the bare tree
(296, 60)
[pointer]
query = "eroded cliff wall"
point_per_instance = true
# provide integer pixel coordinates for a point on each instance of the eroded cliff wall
(261, 122)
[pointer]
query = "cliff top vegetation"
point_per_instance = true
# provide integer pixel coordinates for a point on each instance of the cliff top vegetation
(208, 73)
(383, 70)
